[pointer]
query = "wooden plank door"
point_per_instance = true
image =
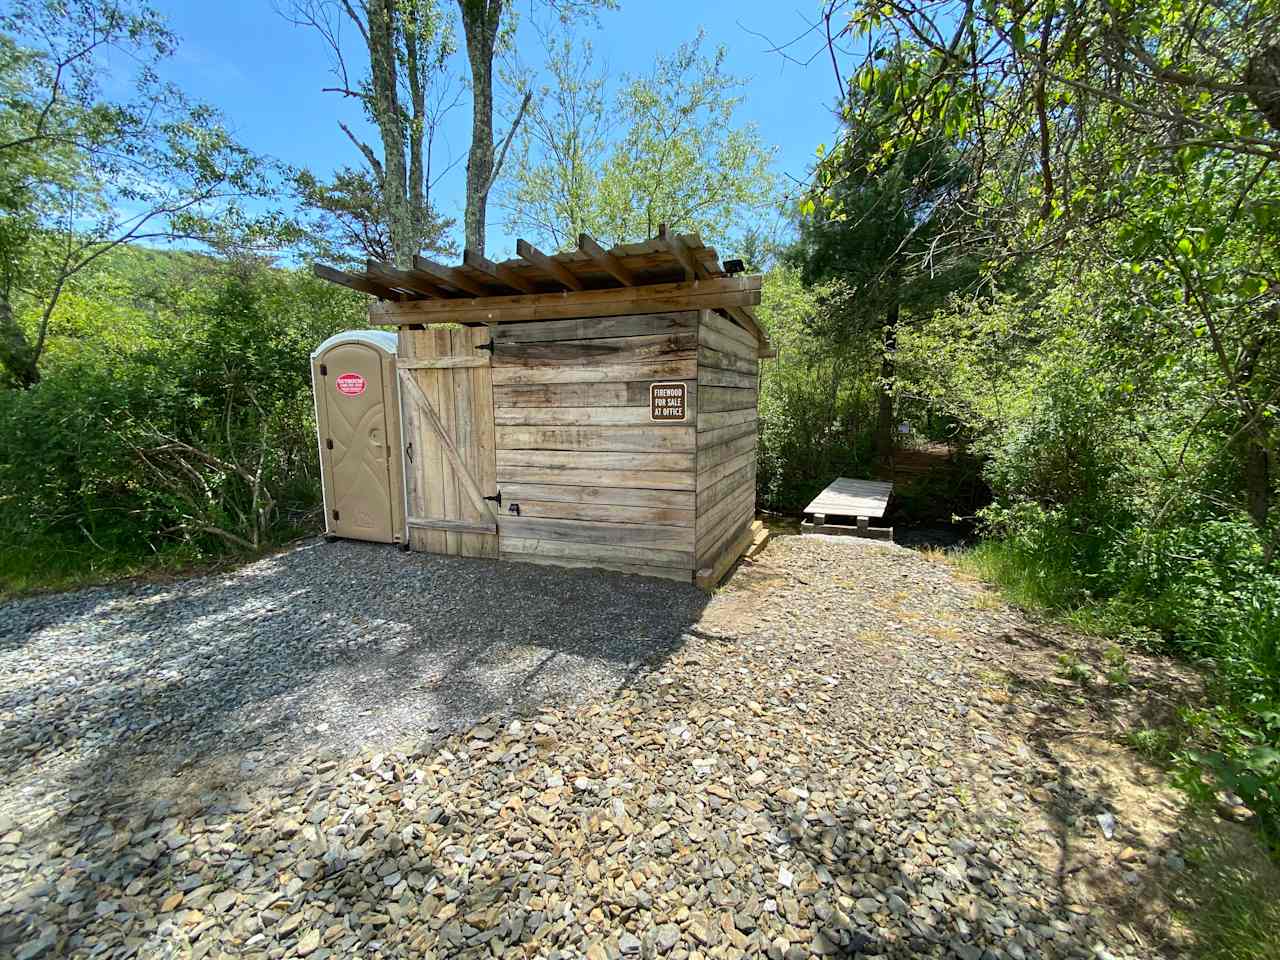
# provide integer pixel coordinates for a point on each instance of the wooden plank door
(446, 393)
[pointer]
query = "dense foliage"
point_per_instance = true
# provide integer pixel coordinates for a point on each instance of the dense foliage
(662, 147)
(173, 415)
(1117, 361)
(818, 399)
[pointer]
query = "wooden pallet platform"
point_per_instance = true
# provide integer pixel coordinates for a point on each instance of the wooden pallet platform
(845, 498)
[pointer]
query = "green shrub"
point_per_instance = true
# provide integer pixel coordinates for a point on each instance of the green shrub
(817, 401)
(192, 432)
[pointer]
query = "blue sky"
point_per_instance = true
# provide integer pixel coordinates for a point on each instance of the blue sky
(266, 75)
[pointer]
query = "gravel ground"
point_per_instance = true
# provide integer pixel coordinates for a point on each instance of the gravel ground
(850, 751)
(325, 647)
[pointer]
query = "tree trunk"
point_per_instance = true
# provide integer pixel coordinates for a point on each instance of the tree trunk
(480, 20)
(386, 103)
(1257, 484)
(418, 200)
(884, 391)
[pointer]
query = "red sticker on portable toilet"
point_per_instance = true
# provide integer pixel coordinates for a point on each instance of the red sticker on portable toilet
(351, 384)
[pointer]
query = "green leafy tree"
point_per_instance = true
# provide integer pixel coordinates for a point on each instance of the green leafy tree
(882, 226)
(553, 192)
(384, 212)
(1151, 129)
(81, 174)
(664, 148)
(488, 25)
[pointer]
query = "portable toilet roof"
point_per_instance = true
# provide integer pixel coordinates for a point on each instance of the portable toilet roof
(384, 339)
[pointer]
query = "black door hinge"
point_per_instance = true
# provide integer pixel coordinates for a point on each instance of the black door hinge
(329, 444)
(485, 346)
(335, 514)
(324, 370)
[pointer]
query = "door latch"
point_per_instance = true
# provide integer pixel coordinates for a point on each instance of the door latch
(496, 498)
(408, 451)
(514, 508)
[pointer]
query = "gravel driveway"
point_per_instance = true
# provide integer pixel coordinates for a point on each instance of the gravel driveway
(850, 751)
(326, 647)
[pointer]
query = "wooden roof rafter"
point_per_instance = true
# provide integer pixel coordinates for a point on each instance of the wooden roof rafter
(360, 284)
(451, 277)
(499, 272)
(696, 270)
(410, 280)
(606, 260)
(553, 268)
(665, 272)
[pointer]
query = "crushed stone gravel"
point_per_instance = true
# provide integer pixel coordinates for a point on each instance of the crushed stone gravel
(519, 761)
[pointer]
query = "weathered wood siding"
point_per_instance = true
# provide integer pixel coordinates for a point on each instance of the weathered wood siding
(447, 404)
(596, 482)
(725, 487)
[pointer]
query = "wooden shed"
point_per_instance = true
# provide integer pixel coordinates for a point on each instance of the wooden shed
(593, 408)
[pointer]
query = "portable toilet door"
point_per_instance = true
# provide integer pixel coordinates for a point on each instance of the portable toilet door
(353, 376)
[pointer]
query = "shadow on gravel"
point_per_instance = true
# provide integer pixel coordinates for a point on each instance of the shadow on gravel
(117, 693)
(328, 646)
(1183, 878)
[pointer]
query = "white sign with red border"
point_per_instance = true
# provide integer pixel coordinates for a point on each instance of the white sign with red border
(351, 384)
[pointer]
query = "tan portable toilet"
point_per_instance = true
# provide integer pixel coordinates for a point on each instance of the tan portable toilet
(357, 401)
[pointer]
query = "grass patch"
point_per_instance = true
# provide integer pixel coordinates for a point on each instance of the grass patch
(1232, 908)
(53, 567)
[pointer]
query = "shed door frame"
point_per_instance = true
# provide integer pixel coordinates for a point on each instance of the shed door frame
(450, 460)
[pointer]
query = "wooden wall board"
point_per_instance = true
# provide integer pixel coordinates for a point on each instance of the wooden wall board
(600, 532)
(713, 399)
(639, 479)
(711, 475)
(708, 577)
(685, 369)
(731, 505)
(741, 505)
(588, 328)
(573, 416)
(713, 493)
(712, 377)
(727, 418)
(712, 540)
(714, 456)
(569, 549)
(612, 350)
(597, 460)
(713, 438)
(719, 342)
(623, 496)
(658, 438)
(727, 328)
(726, 361)
(564, 510)
(630, 393)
